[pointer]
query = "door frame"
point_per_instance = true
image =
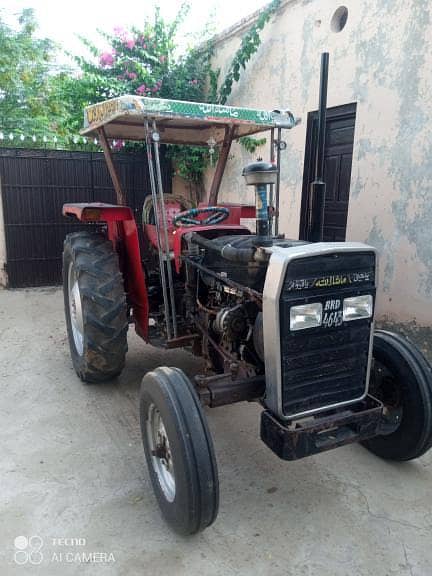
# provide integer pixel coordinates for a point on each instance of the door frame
(336, 112)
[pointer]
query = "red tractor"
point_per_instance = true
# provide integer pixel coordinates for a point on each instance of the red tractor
(286, 323)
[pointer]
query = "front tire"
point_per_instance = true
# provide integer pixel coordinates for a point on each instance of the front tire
(95, 306)
(179, 451)
(402, 380)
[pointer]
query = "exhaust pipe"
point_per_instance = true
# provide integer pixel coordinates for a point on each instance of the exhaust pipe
(318, 186)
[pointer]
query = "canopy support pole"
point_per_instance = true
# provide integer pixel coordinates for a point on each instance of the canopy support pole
(162, 241)
(220, 168)
(272, 210)
(156, 139)
(121, 196)
(277, 190)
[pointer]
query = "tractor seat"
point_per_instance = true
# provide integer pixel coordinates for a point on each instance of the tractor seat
(173, 206)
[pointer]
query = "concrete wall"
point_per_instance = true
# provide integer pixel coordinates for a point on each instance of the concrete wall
(382, 60)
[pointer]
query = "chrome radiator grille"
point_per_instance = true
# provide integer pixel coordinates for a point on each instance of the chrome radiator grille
(327, 365)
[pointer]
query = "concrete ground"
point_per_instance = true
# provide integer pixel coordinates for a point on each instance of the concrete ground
(72, 467)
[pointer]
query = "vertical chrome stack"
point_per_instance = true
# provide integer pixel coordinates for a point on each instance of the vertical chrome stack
(152, 138)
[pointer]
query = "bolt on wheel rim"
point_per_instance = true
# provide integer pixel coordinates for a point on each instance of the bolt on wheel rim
(161, 457)
(75, 309)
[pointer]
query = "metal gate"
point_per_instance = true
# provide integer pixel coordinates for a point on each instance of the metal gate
(36, 183)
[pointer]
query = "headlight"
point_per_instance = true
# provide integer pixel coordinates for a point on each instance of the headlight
(357, 307)
(305, 316)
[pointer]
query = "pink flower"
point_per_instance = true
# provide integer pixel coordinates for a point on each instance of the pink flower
(162, 58)
(141, 89)
(194, 82)
(145, 46)
(117, 144)
(132, 76)
(129, 43)
(106, 59)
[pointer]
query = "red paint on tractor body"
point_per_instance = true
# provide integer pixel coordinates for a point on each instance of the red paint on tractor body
(123, 233)
(97, 212)
(171, 210)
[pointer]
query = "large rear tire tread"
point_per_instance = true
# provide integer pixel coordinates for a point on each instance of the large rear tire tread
(104, 306)
(413, 437)
(196, 501)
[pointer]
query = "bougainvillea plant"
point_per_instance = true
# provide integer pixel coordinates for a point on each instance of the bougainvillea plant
(147, 62)
(144, 62)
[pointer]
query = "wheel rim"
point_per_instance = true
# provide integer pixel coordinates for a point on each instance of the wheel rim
(385, 387)
(161, 457)
(75, 310)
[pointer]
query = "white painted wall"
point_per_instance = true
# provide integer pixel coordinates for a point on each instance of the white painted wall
(382, 60)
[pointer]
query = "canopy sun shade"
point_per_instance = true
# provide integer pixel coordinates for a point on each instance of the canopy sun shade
(179, 122)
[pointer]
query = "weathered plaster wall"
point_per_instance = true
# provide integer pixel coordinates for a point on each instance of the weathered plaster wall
(382, 60)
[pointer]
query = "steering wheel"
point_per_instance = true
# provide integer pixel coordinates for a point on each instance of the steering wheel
(216, 214)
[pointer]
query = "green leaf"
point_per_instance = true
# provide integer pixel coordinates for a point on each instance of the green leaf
(251, 144)
(248, 47)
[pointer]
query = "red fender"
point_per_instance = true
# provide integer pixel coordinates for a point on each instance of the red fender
(123, 233)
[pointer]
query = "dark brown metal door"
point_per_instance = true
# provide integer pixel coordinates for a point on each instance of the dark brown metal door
(34, 186)
(337, 172)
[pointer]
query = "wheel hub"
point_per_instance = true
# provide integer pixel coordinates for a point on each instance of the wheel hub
(75, 309)
(384, 386)
(160, 449)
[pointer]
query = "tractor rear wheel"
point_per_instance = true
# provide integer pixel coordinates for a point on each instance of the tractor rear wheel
(95, 306)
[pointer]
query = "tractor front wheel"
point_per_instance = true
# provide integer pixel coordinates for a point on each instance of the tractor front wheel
(179, 450)
(402, 379)
(95, 306)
